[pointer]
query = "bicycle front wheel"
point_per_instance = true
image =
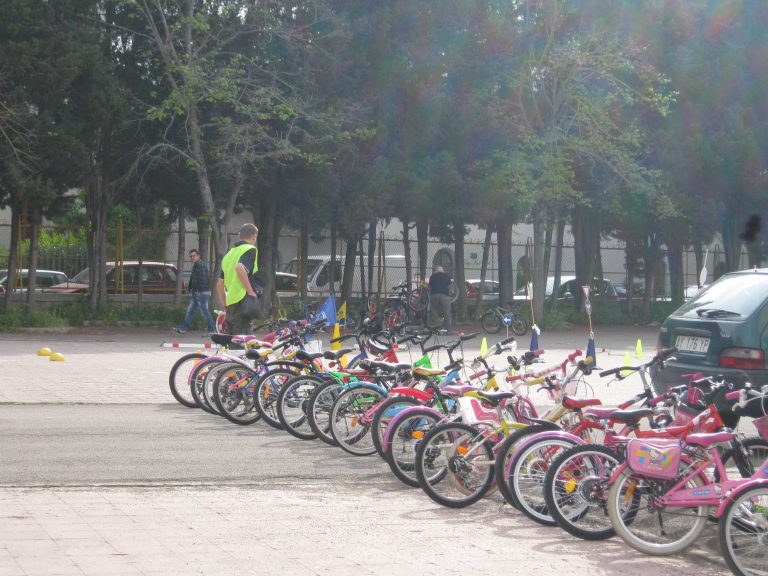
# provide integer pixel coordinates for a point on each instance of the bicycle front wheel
(405, 438)
(519, 324)
(235, 395)
(178, 380)
(646, 526)
(384, 415)
(349, 424)
(292, 406)
(490, 321)
(454, 465)
(743, 532)
(575, 490)
(267, 390)
(319, 412)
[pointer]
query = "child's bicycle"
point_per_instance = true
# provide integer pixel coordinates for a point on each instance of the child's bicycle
(492, 320)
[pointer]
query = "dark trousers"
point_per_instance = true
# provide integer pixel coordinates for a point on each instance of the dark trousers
(239, 316)
(440, 305)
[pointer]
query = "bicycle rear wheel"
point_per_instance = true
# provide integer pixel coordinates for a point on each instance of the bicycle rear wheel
(454, 465)
(576, 489)
(647, 527)
(491, 322)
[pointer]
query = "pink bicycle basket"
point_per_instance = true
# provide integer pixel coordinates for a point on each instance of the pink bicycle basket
(762, 426)
(657, 459)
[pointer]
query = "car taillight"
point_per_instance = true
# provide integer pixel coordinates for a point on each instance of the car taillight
(743, 358)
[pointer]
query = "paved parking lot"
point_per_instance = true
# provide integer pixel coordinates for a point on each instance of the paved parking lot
(318, 512)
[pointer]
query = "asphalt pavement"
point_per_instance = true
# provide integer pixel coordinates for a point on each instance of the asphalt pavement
(102, 472)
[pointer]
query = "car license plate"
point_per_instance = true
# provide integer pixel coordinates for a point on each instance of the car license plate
(695, 344)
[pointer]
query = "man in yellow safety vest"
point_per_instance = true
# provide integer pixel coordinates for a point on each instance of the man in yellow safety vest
(235, 285)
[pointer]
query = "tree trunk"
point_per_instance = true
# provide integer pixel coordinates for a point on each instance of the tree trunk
(140, 232)
(422, 234)
(539, 273)
(13, 257)
(362, 269)
(304, 248)
(586, 235)
(458, 264)
(407, 253)
(34, 231)
(348, 278)
(483, 270)
(332, 275)
(506, 272)
(560, 239)
(266, 244)
(676, 281)
(181, 248)
(372, 258)
(731, 244)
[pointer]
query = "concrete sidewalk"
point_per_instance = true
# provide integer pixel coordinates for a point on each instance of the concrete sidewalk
(297, 529)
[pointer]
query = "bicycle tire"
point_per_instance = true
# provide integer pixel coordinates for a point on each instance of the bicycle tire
(236, 403)
(292, 405)
(178, 379)
(405, 440)
(504, 457)
(445, 473)
(633, 531)
(418, 300)
(519, 324)
(320, 404)
(742, 532)
(349, 430)
(395, 316)
(197, 382)
(266, 392)
(490, 322)
(209, 383)
(384, 415)
(526, 479)
(453, 291)
(576, 489)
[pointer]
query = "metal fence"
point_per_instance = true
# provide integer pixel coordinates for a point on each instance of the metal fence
(63, 249)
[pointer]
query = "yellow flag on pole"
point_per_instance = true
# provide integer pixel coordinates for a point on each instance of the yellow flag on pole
(341, 313)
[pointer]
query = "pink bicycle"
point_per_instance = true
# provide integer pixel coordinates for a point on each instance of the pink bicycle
(663, 495)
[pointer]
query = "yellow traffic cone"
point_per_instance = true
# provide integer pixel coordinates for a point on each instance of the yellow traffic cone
(483, 347)
(627, 362)
(44, 352)
(336, 334)
(639, 350)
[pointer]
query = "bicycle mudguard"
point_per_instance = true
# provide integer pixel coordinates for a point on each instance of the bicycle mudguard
(411, 392)
(368, 385)
(547, 434)
(385, 441)
(740, 488)
(222, 358)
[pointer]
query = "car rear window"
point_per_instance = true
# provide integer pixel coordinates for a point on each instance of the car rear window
(731, 297)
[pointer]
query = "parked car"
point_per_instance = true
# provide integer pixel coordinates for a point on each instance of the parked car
(156, 277)
(568, 287)
(490, 294)
(722, 330)
(43, 279)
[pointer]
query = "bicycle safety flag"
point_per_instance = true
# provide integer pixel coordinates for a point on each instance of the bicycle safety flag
(534, 338)
(327, 312)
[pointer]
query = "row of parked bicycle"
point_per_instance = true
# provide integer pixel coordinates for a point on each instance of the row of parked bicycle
(654, 471)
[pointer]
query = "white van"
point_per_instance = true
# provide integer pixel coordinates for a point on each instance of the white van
(318, 274)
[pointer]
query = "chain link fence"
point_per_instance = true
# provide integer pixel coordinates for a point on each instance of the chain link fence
(64, 250)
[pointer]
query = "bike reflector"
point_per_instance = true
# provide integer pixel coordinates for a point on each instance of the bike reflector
(659, 459)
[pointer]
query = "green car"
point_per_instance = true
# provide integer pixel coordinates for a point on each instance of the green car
(723, 330)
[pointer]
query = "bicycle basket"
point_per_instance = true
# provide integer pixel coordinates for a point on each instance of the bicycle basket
(659, 459)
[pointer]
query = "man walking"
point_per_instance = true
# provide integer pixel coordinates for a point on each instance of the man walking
(439, 298)
(199, 289)
(235, 285)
